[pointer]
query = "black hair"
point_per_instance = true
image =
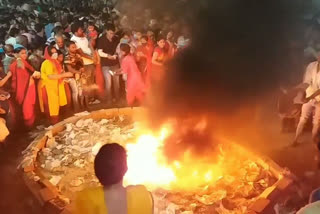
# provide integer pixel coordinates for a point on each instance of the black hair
(50, 47)
(76, 26)
(69, 18)
(105, 17)
(110, 164)
(110, 27)
(37, 47)
(32, 17)
(51, 19)
(90, 23)
(145, 37)
(125, 48)
(70, 43)
(14, 32)
(161, 37)
(66, 36)
(23, 27)
(59, 52)
(127, 33)
(65, 10)
(18, 50)
(58, 30)
(22, 40)
(8, 48)
(38, 27)
(138, 30)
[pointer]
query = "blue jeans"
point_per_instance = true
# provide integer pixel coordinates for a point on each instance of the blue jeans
(111, 81)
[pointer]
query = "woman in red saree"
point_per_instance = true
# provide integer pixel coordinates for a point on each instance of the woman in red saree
(135, 86)
(24, 90)
(156, 72)
(144, 56)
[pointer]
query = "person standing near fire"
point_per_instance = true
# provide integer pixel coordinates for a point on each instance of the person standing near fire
(51, 90)
(144, 56)
(156, 73)
(87, 54)
(110, 166)
(4, 107)
(312, 107)
(107, 45)
(135, 87)
(23, 89)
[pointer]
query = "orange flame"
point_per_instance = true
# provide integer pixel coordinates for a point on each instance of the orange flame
(145, 163)
(148, 165)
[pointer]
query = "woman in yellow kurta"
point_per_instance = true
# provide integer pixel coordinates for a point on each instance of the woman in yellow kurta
(113, 198)
(51, 89)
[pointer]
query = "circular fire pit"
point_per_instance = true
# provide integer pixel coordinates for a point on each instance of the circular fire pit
(59, 163)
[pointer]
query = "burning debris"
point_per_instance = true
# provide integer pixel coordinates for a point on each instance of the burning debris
(231, 194)
(227, 183)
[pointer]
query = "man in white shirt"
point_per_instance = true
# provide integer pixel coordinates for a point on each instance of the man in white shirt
(86, 52)
(82, 43)
(312, 78)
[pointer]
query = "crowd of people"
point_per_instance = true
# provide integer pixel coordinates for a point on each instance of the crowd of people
(59, 59)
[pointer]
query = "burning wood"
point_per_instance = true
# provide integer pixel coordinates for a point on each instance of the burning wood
(227, 181)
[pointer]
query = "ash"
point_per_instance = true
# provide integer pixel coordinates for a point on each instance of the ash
(67, 160)
(231, 194)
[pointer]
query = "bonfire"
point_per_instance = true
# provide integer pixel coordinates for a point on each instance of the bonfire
(219, 178)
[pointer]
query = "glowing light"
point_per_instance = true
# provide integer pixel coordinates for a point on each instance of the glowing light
(208, 176)
(148, 165)
(177, 165)
(144, 160)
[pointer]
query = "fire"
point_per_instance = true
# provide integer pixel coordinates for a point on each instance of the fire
(148, 165)
(145, 162)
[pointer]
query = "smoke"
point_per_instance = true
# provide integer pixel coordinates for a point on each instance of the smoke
(240, 51)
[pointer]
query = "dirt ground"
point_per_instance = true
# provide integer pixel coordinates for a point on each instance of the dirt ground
(14, 195)
(267, 140)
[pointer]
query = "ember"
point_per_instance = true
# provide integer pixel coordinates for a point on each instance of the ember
(227, 181)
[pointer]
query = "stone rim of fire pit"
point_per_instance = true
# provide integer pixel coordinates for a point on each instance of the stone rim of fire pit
(54, 202)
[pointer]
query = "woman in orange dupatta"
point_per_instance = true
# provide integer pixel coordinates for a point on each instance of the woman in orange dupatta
(112, 197)
(99, 79)
(24, 90)
(51, 89)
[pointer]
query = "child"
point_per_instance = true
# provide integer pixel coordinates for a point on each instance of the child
(92, 34)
